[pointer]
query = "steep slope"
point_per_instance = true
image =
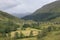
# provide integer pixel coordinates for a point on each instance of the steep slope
(49, 12)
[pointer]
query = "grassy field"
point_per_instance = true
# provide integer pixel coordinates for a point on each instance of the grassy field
(33, 38)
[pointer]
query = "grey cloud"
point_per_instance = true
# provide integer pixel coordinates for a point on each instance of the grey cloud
(5, 4)
(22, 6)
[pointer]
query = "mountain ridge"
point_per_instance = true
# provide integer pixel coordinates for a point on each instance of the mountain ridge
(46, 13)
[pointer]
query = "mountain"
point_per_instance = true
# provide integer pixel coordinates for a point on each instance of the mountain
(20, 15)
(49, 12)
(8, 22)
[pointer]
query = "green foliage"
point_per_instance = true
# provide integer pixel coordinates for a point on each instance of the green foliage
(16, 35)
(36, 25)
(27, 25)
(7, 26)
(21, 35)
(31, 34)
(8, 22)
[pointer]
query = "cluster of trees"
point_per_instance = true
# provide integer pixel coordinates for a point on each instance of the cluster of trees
(33, 25)
(7, 27)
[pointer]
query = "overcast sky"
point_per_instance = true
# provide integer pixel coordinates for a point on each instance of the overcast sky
(22, 6)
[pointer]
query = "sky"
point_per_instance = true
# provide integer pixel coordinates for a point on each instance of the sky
(22, 6)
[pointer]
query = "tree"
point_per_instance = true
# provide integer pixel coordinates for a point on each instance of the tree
(21, 35)
(39, 35)
(51, 28)
(16, 35)
(31, 33)
(26, 25)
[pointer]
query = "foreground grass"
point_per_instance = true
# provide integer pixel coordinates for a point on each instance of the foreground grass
(32, 38)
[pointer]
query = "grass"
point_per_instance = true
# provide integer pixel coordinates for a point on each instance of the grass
(55, 35)
(33, 38)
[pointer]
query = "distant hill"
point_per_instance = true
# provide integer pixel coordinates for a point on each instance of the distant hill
(49, 12)
(20, 15)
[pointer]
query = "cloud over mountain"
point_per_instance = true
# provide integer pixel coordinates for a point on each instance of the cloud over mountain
(22, 6)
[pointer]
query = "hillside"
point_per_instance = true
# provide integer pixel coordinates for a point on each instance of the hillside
(8, 22)
(49, 12)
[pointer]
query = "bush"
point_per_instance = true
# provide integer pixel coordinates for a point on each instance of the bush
(16, 35)
(31, 33)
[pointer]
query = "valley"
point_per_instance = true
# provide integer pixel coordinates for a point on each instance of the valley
(43, 24)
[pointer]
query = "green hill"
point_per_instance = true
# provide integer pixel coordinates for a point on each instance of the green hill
(49, 12)
(8, 22)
